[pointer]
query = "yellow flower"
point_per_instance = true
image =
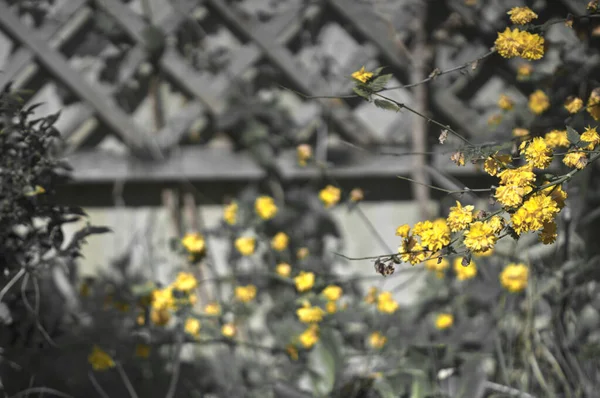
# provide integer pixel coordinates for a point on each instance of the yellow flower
(371, 295)
(280, 241)
(516, 43)
(505, 103)
(330, 195)
(356, 195)
(495, 163)
(185, 282)
(403, 230)
(142, 350)
(557, 138)
(292, 352)
(163, 299)
(362, 75)
(521, 15)
(437, 264)
(460, 217)
(480, 237)
(593, 105)
(302, 253)
(436, 237)
(521, 176)
(444, 321)
(377, 340)
(537, 153)
(160, 317)
(304, 281)
(310, 336)
(520, 132)
(412, 251)
(332, 292)
(228, 330)
(536, 211)
(386, 304)
(524, 71)
(575, 159)
(574, 104)
(590, 135)
(193, 243)
(100, 360)
(245, 294)
(283, 269)
(245, 245)
(514, 277)
(510, 195)
(308, 314)
(538, 102)
(331, 307)
(37, 190)
(265, 207)
(463, 273)
(304, 153)
(212, 308)
(192, 326)
(548, 233)
(230, 213)
(486, 253)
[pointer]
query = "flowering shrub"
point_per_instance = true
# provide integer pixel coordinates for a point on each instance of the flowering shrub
(498, 310)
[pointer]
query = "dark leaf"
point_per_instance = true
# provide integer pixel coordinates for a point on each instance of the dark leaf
(379, 83)
(385, 104)
(362, 92)
(572, 135)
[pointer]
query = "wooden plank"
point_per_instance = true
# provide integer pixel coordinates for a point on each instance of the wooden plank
(56, 64)
(358, 14)
(51, 29)
(309, 83)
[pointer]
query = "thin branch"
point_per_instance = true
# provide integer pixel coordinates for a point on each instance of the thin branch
(10, 284)
(97, 385)
(126, 381)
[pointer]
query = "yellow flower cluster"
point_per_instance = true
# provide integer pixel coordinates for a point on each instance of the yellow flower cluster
(310, 314)
(517, 43)
(386, 304)
(434, 235)
(362, 75)
(574, 104)
(330, 195)
(332, 292)
(444, 321)
(505, 102)
(162, 301)
(304, 281)
(537, 152)
(557, 138)
(437, 265)
(280, 241)
(245, 294)
(194, 243)
(538, 102)
(228, 330)
(463, 273)
(522, 15)
(100, 360)
(265, 207)
(212, 308)
(230, 213)
(524, 71)
(514, 277)
(310, 336)
(304, 153)
(245, 245)
(283, 269)
(192, 326)
(377, 340)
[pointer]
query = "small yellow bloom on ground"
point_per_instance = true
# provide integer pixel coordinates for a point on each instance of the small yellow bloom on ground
(100, 360)
(185, 282)
(245, 294)
(228, 330)
(514, 277)
(330, 195)
(265, 207)
(444, 321)
(333, 292)
(331, 307)
(142, 350)
(538, 102)
(212, 308)
(304, 153)
(283, 269)
(193, 242)
(386, 304)
(192, 326)
(304, 281)
(163, 298)
(521, 15)
(574, 104)
(377, 340)
(463, 273)
(310, 336)
(280, 241)
(362, 75)
(245, 245)
(230, 213)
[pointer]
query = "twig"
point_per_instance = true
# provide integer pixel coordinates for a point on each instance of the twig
(126, 381)
(10, 283)
(176, 363)
(97, 385)
(506, 390)
(41, 390)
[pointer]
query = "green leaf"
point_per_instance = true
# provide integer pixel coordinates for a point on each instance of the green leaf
(362, 91)
(385, 104)
(379, 83)
(378, 71)
(327, 360)
(572, 135)
(418, 386)
(384, 388)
